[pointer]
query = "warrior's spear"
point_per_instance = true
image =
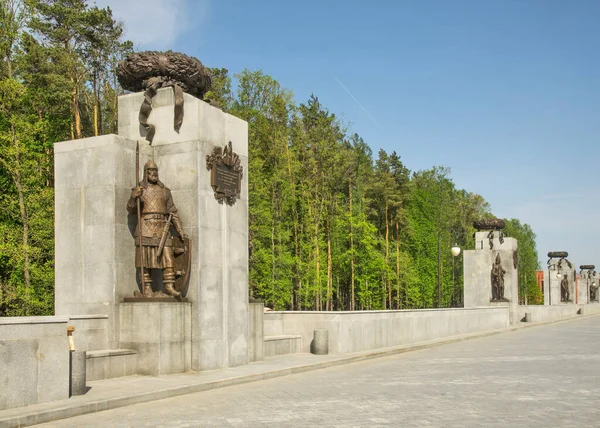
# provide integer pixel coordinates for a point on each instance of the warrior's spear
(139, 214)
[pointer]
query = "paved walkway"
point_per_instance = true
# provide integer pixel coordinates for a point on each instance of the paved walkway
(546, 376)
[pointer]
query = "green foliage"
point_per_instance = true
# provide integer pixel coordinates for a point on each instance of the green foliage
(332, 228)
(220, 91)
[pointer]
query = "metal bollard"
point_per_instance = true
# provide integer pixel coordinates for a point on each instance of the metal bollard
(527, 316)
(77, 367)
(78, 375)
(320, 345)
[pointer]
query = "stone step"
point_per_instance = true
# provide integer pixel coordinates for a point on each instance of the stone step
(282, 344)
(109, 363)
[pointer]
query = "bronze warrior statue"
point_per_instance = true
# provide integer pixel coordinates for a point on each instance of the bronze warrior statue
(564, 289)
(594, 292)
(157, 214)
(497, 276)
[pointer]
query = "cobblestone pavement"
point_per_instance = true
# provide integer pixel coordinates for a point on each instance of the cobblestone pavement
(538, 377)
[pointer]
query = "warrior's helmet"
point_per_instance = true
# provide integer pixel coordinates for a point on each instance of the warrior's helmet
(150, 165)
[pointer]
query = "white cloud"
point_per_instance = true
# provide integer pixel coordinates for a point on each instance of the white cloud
(156, 24)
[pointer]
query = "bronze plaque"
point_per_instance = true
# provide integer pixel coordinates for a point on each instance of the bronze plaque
(226, 174)
(226, 180)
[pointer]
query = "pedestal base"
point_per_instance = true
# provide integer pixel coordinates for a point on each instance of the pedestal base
(161, 332)
(153, 300)
(505, 303)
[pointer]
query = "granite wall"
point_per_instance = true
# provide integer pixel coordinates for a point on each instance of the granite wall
(34, 360)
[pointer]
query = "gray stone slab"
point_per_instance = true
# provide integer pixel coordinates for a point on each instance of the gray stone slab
(91, 181)
(211, 354)
(18, 356)
(201, 121)
(160, 333)
(34, 361)
(282, 345)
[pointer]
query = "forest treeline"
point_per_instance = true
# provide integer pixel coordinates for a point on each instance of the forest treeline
(333, 226)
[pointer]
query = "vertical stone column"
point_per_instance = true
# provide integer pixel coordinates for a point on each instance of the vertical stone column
(256, 332)
(93, 243)
(585, 281)
(219, 232)
(582, 289)
(595, 279)
(546, 287)
(477, 272)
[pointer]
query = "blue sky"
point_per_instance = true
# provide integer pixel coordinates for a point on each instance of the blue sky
(505, 93)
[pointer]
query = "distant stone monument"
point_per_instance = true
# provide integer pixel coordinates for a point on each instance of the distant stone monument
(559, 281)
(497, 279)
(491, 269)
(587, 284)
(594, 293)
(565, 295)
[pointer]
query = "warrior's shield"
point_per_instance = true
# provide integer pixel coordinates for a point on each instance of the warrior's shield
(182, 264)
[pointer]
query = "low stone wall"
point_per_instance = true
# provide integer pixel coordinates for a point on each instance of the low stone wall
(91, 332)
(591, 308)
(34, 360)
(367, 330)
(549, 313)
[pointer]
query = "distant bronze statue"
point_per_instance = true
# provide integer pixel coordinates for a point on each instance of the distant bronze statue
(497, 277)
(150, 70)
(155, 248)
(593, 292)
(565, 295)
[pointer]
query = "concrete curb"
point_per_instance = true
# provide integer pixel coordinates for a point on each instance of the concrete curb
(47, 412)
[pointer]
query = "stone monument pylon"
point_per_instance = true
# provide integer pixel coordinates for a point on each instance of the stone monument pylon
(491, 269)
(559, 280)
(587, 282)
(95, 268)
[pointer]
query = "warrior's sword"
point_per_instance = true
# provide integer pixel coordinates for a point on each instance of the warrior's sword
(139, 214)
(163, 237)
